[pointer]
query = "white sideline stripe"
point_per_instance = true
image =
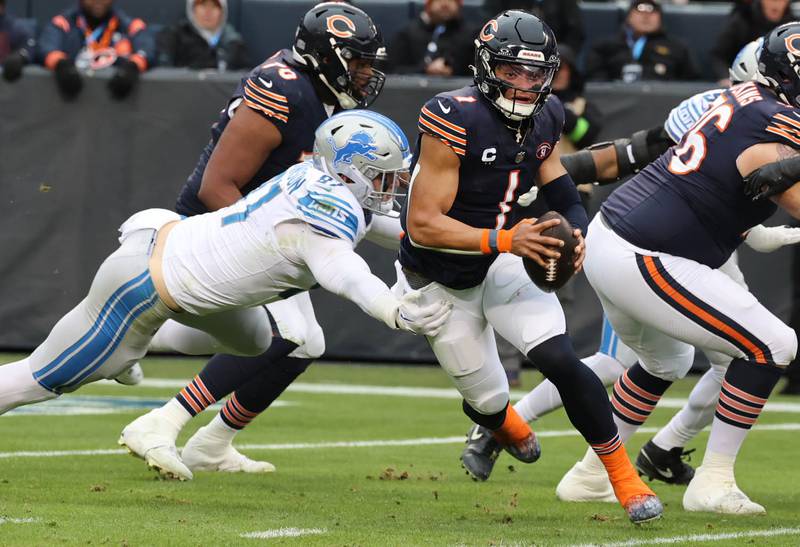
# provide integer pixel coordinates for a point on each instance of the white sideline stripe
(284, 533)
(409, 391)
(10, 520)
(424, 441)
(699, 538)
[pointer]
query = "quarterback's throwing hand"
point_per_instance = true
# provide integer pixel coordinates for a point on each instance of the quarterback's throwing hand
(528, 241)
(427, 320)
(580, 250)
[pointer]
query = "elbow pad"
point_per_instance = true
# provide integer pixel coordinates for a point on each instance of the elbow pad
(580, 167)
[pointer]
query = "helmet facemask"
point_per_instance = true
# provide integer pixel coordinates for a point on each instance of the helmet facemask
(377, 191)
(530, 75)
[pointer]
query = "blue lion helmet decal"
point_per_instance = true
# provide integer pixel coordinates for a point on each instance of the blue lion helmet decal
(359, 144)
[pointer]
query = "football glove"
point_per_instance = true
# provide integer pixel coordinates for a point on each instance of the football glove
(13, 65)
(126, 74)
(427, 320)
(772, 178)
(765, 240)
(68, 78)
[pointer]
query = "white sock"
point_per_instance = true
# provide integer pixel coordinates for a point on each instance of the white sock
(696, 414)
(545, 398)
(18, 387)
(592, 462)
(713, 461)
(174, 415)
(624, 429)
(219, 431)
(725, 439)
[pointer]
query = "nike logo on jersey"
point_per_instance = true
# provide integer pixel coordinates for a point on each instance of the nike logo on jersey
(445, 109)
(267, 83)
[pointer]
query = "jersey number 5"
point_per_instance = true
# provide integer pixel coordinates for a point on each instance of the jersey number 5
(693, 147)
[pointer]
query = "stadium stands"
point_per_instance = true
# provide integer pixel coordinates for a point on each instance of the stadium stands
(269, 24)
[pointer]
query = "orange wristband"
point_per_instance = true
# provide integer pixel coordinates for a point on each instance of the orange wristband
(504, 238)
(485, 248)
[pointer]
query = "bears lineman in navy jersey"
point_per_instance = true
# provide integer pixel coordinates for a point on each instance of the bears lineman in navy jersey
(663, 234)
(266, 127)
(479, 148)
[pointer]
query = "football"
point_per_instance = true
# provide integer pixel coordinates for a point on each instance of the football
(559, 270)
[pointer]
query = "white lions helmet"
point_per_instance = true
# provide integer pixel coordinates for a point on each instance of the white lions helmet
(367, 152)
(745, 65)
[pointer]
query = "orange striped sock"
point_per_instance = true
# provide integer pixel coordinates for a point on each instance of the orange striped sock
(624, 478)
(514, 428)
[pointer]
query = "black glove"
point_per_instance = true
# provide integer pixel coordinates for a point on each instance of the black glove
(12, 68)
(772, 178)
(126, 74)
(68, 78)
(647, 145)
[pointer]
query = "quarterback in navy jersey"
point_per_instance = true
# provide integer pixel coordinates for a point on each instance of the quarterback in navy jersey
(266, 127)
(661, 237)
(480, 148)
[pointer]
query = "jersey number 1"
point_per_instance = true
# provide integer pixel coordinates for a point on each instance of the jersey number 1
(694, 142)
(505, 205)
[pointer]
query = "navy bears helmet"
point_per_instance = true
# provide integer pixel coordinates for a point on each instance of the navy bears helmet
(779, 62)
(522, 40)
(331, 35)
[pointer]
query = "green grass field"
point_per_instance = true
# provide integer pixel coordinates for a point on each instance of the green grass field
(413, 494)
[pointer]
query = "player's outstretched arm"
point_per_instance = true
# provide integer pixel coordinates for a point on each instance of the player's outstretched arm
(338, 269)
(243, 147)
(608, 162)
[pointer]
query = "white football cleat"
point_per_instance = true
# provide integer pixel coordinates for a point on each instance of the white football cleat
(714, 490)
(131, 377)
(149, 438)
(585, 483)
(203, 453)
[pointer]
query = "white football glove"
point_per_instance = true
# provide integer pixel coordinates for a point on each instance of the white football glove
(427, 320)
(528, 197)
(765, 240)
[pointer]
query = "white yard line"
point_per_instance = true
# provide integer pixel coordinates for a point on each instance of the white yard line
(284, 533)
(11, 520)
(424, 441)
(699, 538)
(410, 391)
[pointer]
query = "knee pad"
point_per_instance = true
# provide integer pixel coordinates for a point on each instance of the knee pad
(314, 344)
(255, 345)
(484, 391)
(672, 369)
(784, 349)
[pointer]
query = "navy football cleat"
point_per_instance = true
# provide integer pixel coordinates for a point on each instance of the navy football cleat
(664, 465)
(480, 453)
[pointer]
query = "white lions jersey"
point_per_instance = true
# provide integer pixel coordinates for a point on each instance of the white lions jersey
(233, 258)
(685, 115)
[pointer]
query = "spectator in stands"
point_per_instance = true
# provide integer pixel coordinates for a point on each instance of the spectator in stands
(582, 120)
(641, 51)
(563, 16)
(744, 24)
(16, 45)
(204, 39)
(437, 43)
(93, 36)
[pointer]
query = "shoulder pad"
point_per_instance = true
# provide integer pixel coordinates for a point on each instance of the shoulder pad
(442, 118)
(268, 94)
(325, 204)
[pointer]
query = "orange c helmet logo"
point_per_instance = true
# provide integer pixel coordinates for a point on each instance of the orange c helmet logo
(790, 44)
(488, 30)
(343, 31)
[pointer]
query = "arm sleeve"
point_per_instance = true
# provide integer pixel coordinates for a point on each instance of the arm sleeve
(51, 42)
(143, 42)
(385, 231)
(338, 269)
